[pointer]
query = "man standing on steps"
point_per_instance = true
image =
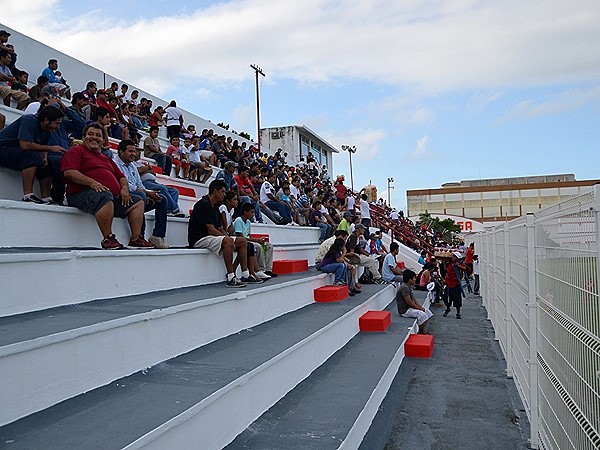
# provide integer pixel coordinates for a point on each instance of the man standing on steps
(454, 293)
(408, 305)
(97, 186)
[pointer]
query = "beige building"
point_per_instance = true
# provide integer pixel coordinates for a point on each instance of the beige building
(496, 199)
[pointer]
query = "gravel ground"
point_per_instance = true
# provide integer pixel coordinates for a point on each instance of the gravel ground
(460, 398)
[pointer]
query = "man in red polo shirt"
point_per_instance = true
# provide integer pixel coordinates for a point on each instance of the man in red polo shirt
(97, 186)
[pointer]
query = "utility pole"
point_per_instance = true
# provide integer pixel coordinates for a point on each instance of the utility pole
(257, 71)
(389, 189)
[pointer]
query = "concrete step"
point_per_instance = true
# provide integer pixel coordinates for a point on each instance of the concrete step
(68, 227)
(204, 398)
(55, 354)
(35, 279)
(334, 407)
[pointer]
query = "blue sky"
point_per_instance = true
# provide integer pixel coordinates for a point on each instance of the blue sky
(429, 91)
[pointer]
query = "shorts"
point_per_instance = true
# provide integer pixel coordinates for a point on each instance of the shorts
(206, 154)
(421, 316)
(211, 243)
(15, 158)
(91, 202)
(454, 297)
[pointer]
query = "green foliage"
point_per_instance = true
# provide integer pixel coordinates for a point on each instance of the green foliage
(446, 227)
(222, 125)
(245, 135)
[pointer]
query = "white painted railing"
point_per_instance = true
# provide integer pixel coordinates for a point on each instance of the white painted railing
(539, 282)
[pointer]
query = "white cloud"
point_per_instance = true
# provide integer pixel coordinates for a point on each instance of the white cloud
(565, 101)
(367, 142)
(422, 151)
(478, 102)
(435, 45)
(244, 118)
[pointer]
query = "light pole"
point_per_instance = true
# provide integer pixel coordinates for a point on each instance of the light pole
(257, 70)
(390, 187)
(350, 150)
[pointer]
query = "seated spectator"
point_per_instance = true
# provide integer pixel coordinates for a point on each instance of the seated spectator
(156, 118)
(205, 231)
(102, 101)
(75, 122)
(96, 185)
(2, 121)
(179, 158)
(22, 79)
(317, 220)
(267, 196)
(334, 262)
(423, 258)
(150, 182)
(408, 306)
(127, 154)
(200, 170)
(122, 96)
(302, 205)
(263, 250)
(57, 82)
(90, 98)
(6, 91)
(101, 116)
(227, 175)
(24, 146)
(390, 271)
(360, 254)
(345, 222)
(152, 150)
(174, 119)
(241, 227)
(246, 191)
(4, 45)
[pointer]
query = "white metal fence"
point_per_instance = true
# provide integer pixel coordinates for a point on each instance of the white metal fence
(539, 282)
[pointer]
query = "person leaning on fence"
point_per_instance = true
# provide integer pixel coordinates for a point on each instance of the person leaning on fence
(407, 304)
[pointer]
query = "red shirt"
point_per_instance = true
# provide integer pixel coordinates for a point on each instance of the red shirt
(106, 105)
(341, 190)
(97, 166)
(469, 256)
(244, 184)
(451, 279)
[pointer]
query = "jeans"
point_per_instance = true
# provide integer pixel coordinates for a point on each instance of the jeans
(325, 229)
(257, 213)
(339, 269)
(164, 161)
(160, 215)
(284, 210)
(367, 224)
(171, 194)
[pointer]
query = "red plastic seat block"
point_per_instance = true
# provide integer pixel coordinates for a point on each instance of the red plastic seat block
(157, 169)
(327, 294)
(419, 346)
(259, 236)
(190, 192)
(401, 265)
(283, 266)
(375, 321)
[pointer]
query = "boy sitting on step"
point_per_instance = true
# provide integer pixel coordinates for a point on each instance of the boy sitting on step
(263, 250)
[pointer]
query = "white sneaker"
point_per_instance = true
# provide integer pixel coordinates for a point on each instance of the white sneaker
(159, 242)
(263, 276)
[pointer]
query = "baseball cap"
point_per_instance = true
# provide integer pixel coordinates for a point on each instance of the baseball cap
(359, 226)
(4, 33)
(347, 214)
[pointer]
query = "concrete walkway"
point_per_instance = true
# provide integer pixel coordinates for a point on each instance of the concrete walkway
(458, 399)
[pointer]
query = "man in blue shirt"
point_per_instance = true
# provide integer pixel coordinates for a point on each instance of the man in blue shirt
(24, 146)
(59, 83)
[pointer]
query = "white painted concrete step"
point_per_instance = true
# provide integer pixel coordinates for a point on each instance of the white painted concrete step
(68, 227)
(55, 354)
(205, 398)
(36, 279)
(334, 407)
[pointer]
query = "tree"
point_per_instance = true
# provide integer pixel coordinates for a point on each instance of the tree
(245, 135)
(446, 228)
(222, 125)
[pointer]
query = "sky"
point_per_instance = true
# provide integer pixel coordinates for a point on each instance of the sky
(429, 91)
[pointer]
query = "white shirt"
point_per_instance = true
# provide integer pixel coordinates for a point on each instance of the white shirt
(173, 115)
(265, 189)
(365, 213)
(351, 202)
(32, 108)
(476, 267)
(294, 191)
(394, 215)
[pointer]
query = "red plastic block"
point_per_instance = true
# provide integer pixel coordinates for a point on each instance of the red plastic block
(419, 346)
(283, 266)
(401, 265)
(190, 192)
(259, 236)
(327, 294)
(375, 321)
(157, 169)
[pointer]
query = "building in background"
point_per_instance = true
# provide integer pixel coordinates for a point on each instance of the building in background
(297, 141)
(497, 198)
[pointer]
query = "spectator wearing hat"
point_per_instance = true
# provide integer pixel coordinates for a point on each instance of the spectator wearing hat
(345, 222)
(7, 92)
(4, 45)
(227, 175)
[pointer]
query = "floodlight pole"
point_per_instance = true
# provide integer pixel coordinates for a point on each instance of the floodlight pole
(389, 188)
(350, 150)
(257, 70)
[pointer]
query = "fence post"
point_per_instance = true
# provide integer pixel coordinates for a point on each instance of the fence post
(494, 296)
(488, 277)
(597, 230)
(533, 326)
(508, 300)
